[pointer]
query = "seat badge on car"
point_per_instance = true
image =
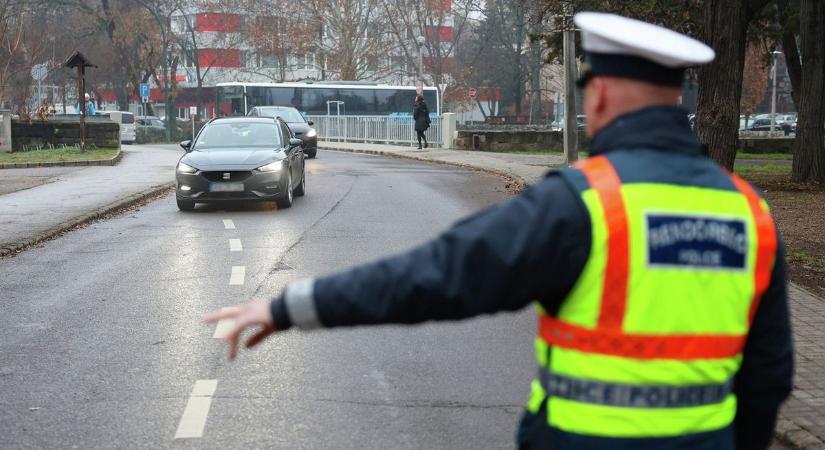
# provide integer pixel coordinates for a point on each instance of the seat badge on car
(226, 175)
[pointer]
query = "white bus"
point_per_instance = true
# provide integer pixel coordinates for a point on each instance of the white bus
(344, 98)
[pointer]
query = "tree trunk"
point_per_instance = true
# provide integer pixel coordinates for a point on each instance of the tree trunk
(809, 155)
(720, 82)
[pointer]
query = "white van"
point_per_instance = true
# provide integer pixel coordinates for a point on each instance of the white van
(127, 124)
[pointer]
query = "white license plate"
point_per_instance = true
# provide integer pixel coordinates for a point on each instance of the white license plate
(226, 187)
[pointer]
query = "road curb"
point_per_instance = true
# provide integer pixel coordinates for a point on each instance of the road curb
(92, 162)
(12, 248)
(517, 183)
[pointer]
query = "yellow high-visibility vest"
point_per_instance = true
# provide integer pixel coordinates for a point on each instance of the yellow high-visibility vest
(649, 339)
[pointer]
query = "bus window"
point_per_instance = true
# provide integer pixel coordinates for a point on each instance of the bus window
(230, 99)
(273, 96)
(359, 102)
(315, 100)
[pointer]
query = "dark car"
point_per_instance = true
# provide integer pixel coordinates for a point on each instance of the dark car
(765, 125)
(241, 158)
(297, 123)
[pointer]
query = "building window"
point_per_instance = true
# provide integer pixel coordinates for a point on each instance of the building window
(250, 59)
(309, 61)
(268, 61)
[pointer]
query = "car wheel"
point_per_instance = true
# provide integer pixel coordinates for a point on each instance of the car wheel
(300, 190)
(285, 201)
(185, 205)
(313, 154)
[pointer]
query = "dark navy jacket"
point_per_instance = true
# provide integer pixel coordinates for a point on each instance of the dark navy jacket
(497, 260)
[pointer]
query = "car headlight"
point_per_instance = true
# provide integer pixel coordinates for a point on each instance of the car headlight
(186, 168)
(274, 166)
(311, 132)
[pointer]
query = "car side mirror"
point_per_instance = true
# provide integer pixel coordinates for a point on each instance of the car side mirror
(295, 142)
(310, 123)
(187, 145)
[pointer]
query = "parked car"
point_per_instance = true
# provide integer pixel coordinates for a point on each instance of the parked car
(127, 124)
(150, 122)
(297, 123)
(241, 158)
(764, 124)
(581, 123)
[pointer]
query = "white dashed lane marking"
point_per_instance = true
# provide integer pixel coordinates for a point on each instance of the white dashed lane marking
(228, 224)
(235, 245)
(197, 409)
(223, 327)
(238, 275)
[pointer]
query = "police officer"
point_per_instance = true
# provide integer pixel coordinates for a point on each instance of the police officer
(657, 276)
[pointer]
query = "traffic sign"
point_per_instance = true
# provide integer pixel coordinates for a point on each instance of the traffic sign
(144, 99)
(473, 92)
(144, 90)
(39, 71)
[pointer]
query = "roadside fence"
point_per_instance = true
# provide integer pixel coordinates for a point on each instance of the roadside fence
(374, 129)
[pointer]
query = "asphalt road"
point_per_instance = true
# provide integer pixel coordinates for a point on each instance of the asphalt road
(101, 342)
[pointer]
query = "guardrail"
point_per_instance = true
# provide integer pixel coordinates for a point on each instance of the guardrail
(374, 129)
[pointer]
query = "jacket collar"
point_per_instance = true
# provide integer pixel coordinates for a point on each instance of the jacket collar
(655, 128)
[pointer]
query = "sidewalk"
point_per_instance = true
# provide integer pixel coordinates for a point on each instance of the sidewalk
(38, 203)
(802, 418)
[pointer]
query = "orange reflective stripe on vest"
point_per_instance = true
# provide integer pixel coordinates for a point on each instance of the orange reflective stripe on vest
(605, 181)
(766, 235)
(608, 338)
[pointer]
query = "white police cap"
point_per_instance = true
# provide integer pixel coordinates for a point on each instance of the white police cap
(620, 46)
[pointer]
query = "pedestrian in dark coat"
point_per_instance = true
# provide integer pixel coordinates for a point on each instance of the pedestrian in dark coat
(421, 115)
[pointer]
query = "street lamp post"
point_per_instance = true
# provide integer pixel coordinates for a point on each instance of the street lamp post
(773, 94)
(421, 60)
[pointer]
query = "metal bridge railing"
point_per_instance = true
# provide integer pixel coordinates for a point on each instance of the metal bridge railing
(374, 129)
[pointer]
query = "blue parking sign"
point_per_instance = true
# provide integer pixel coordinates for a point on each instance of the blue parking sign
(144, 89)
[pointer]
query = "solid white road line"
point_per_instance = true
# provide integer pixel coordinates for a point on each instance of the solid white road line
(228, 224)
(238, 275)
(235, 245)
(223, 327)
(197, 409)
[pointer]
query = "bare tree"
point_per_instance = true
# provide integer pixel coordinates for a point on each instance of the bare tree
(441, 23)
(353, 37)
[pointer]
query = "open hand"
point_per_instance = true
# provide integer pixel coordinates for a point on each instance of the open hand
(245, 315)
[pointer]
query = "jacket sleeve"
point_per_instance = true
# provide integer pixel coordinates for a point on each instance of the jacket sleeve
(530, 248)
(765, 379)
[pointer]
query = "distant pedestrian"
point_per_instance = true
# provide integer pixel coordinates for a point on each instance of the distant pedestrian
(421, 115)
(90, 106)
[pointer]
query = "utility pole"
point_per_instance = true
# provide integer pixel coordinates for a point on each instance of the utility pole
(571, 132)
(773, 95)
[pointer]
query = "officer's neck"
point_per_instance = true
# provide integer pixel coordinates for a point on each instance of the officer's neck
(652, 127)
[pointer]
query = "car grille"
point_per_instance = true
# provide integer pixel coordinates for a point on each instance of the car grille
(298, 133)
(233, 175)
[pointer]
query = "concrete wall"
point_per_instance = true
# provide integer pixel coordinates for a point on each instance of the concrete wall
(783, 144)
(99, 133)
(513, 140)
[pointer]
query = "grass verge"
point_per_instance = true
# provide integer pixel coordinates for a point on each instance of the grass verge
(766, 156)
(58, 155)
(763, 169)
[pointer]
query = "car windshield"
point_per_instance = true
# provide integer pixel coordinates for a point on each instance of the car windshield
(228, 135)
(289, 115)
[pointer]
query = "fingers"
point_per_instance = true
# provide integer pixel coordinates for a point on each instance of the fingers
(262, 334)
(224, 313)
(232, 339)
